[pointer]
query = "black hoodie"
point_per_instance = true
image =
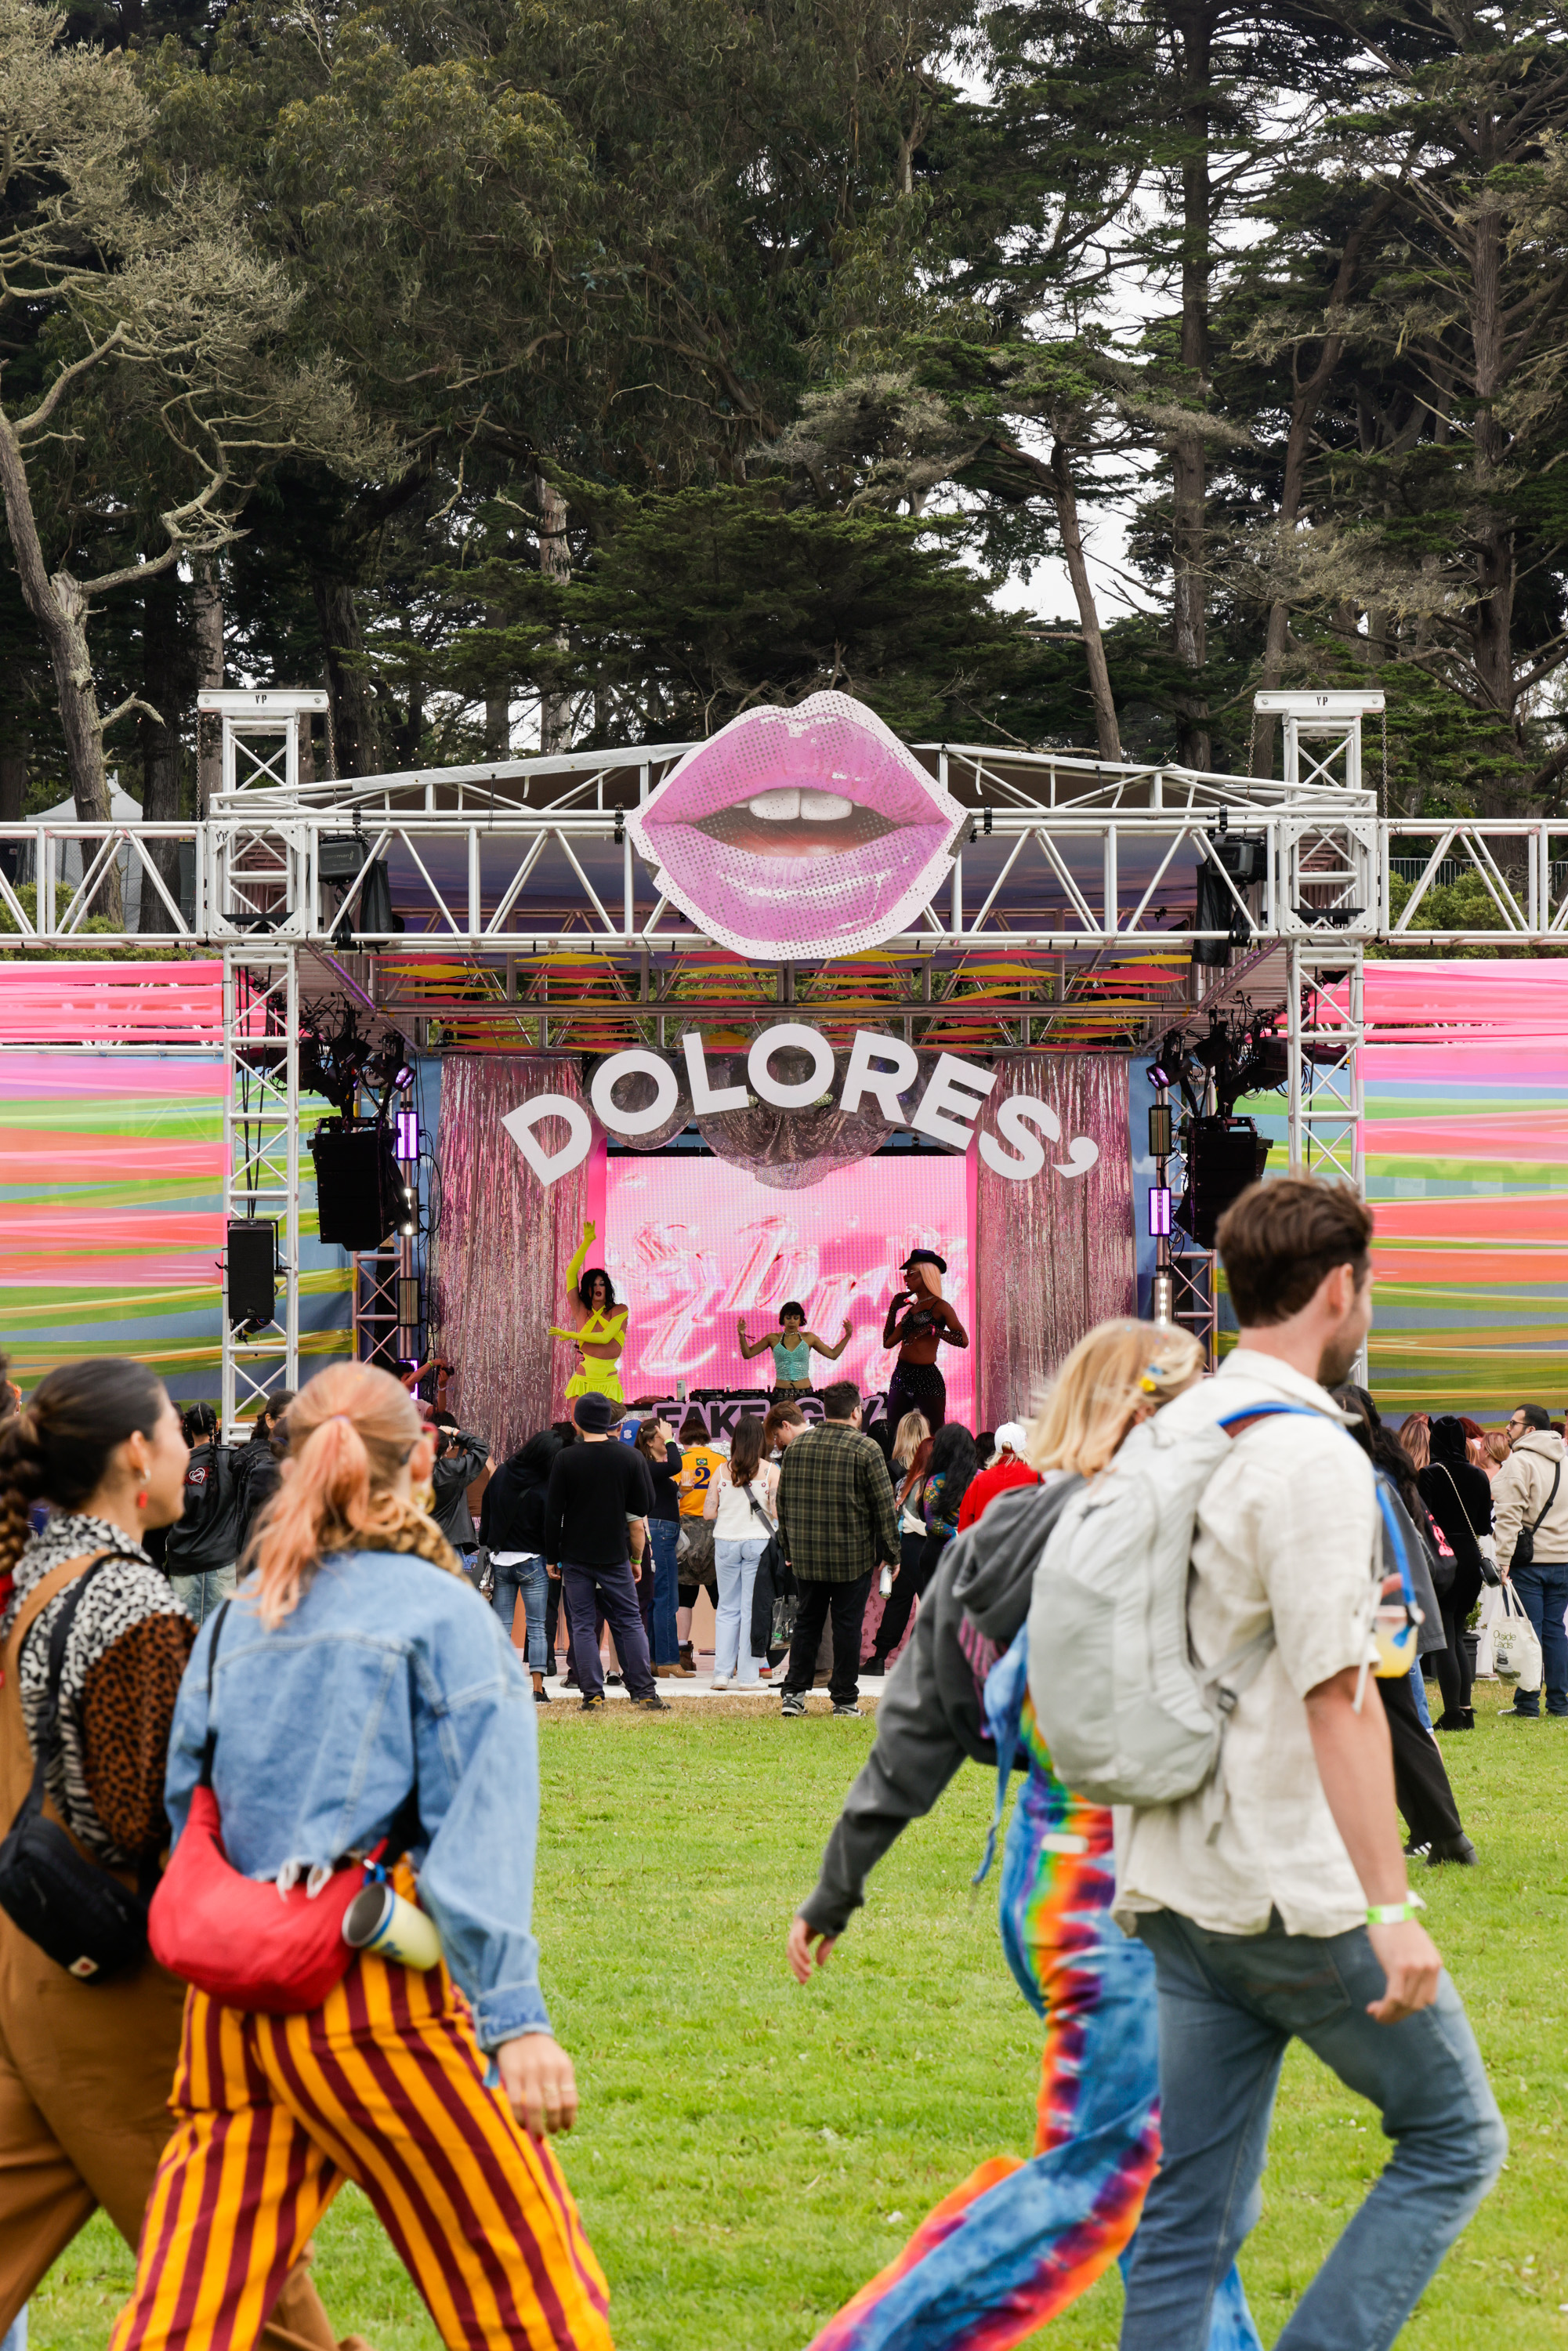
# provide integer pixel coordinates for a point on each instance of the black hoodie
(931, 1714)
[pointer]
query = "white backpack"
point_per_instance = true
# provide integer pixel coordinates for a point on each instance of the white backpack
(1128, 1716)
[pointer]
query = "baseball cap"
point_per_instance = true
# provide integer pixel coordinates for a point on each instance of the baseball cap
(1010, 1437)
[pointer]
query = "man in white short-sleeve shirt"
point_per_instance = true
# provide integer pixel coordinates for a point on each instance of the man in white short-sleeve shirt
(1291, 1916)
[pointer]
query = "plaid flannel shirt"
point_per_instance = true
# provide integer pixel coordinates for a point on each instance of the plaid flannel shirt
(836, 1512)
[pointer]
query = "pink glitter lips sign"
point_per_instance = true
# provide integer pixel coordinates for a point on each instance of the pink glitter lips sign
(696, 1247)
(807, 832)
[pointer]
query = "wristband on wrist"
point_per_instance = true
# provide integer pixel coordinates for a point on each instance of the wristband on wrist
(1394, 1914)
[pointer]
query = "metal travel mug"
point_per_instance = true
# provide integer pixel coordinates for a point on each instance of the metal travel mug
(378, 1920)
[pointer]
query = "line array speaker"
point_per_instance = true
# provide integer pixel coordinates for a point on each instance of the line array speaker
(251, 1287)
(1224, 1156)
(358, 1191)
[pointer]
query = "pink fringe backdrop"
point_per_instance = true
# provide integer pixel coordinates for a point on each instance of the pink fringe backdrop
(506, 1242)
(1056, 1256)
(1053, 1256)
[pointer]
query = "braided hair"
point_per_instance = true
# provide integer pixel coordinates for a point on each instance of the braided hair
(56, 1448)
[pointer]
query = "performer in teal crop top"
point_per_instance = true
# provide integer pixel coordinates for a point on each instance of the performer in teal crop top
(792, 1345)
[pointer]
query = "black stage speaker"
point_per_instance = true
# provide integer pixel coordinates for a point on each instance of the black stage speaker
(1223, 1156)
(358, 1191)
(252, 1282)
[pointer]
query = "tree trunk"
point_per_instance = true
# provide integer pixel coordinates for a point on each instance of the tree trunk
(60, 610)
(1492, 620)
(207, 626)
(1194, 30)
(1106, 732)
(555, 563)
(161, 681)
(1304, 409)
(356, 719)
(498, 703)
(12, 799)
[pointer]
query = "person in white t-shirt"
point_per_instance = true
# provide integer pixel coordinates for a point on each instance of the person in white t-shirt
(740, 1501)
(1292, 1916)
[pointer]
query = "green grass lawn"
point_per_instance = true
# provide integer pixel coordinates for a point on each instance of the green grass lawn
(750, 2152)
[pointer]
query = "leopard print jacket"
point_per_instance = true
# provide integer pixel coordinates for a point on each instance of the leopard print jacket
(124, 1655)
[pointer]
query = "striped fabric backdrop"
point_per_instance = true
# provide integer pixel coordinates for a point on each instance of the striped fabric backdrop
(1466, 1143)
(111, 1164)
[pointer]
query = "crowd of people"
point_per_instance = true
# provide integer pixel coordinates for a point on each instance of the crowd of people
(268, 1660)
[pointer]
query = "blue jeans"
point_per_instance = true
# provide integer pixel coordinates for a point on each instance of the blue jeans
(201, 1595)
(664, 1534)
(1544, 1588)
(735, 1564)
(1229, 2006)
(1419, 1687)
(526, 1576)
(16, 2335)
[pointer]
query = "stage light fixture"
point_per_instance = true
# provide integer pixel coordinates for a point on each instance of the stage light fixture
(1162, 1302)
(1160, 1131)
(1159, 1211)
(404, 1078)
(408, 1134)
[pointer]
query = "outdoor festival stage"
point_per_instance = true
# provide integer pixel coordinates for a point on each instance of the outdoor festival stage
(769, 1010)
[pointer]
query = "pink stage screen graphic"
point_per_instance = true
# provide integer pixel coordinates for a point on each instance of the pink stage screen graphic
(693, 1246)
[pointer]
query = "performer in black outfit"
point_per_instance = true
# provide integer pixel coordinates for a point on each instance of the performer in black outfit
(917, 1385)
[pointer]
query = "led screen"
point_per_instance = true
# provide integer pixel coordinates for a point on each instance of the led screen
(694, 1246)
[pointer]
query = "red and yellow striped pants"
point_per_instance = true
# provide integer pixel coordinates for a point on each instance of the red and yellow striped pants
(382, 2084)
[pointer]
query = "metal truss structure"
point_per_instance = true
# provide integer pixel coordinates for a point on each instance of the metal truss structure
(261, 1160)
(524, 921)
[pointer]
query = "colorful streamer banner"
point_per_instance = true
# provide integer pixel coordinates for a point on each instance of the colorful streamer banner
(111, 1226)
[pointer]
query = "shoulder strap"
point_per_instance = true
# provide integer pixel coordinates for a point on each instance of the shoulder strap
(28, 1611)
(1460, 1499)
(1556, 1480)
(209, 1744)
(1236, 1424)
(27, 1615)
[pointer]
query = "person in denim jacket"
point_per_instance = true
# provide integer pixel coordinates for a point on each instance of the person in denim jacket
(364, 1693)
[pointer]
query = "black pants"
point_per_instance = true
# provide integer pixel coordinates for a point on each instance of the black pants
(916, 1565)
(1454, 1675)
(606, 1595)
(847, 1602)
(1421, 1786)
(916, 1387)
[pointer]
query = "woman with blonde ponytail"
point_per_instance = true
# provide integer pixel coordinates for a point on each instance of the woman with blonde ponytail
(358, 1697)
(85, 2067)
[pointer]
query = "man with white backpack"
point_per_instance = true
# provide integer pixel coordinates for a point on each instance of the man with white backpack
(1217, 1590)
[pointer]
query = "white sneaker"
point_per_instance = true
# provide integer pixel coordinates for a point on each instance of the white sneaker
(720, 1682)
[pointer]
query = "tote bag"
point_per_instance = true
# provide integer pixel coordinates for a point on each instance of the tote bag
(1515, 1648)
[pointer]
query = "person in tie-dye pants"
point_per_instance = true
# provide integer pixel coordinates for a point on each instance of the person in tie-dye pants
(1020, 2239)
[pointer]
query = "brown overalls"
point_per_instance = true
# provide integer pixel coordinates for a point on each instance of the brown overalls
(85, 2072)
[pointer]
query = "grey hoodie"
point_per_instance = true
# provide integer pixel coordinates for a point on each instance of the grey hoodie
(931, 1715)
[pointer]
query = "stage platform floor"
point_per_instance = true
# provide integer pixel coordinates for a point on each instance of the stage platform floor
(701, 1687)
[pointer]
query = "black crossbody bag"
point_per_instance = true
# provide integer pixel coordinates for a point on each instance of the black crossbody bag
(78, 1912)
(1524, 1541)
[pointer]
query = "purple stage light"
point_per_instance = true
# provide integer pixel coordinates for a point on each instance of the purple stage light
(1159, 1211)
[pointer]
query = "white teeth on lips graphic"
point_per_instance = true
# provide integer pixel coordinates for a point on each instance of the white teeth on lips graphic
(782, 807)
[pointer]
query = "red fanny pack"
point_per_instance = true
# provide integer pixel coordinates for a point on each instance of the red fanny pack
(240, 1942)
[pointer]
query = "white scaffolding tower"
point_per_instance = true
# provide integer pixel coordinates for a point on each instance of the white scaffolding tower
(261, 1160)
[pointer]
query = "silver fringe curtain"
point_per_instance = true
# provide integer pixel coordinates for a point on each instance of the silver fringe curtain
(506, 1242)
(1054, 1255)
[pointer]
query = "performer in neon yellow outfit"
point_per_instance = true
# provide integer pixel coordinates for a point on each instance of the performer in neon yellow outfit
(601, 1334)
